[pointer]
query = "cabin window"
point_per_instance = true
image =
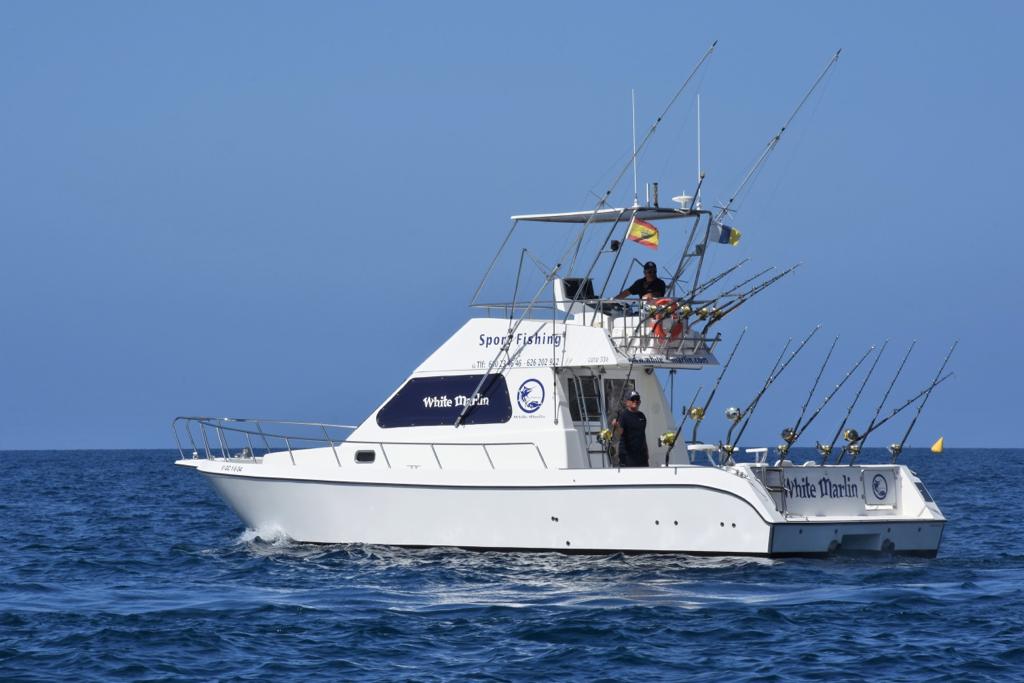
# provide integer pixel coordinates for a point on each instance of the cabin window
(584, 399)
(365, 456)
(433, 401)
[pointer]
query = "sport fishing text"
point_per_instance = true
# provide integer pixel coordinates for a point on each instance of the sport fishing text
(521, 339)
(460, 401)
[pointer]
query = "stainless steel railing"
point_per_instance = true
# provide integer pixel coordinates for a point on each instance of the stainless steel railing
(215, 434)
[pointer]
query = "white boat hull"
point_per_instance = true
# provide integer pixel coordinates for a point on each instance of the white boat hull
(693, 510)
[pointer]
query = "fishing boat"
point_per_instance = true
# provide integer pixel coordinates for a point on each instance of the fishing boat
(501, 439)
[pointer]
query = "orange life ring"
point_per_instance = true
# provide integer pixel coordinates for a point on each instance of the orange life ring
(662, 309)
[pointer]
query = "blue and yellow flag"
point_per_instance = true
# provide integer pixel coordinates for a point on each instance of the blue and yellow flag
(723, 234)
(643, 233)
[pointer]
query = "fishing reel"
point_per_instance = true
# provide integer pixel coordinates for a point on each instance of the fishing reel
(717, 314)
(789, 435)
(823, 448)
(727, 452)
(703, 312)
(783, 449)
(685, 310)
(605, 436)
(667, 439)
(733, 414)
(895, 449)
(851, 435)
(696, 413)
(854, 449)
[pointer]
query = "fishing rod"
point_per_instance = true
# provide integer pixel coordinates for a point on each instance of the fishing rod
(797, 433)
(825, 451)
(790, 434)
(854, 447)
(734, 415)
(899, 447)
(716, 314)
(686, 309)
(718, 277)
(851, 435)
(671, 439)
(697, 414)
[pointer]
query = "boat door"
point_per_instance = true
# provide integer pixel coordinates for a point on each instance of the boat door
(593, 404)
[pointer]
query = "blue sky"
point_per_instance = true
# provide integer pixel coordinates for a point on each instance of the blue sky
(279, 209)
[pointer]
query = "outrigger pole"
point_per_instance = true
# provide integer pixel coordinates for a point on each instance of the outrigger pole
(854, 447)
(725, 210)
(697, 414)
(600, 204)
(769, 148)
(643, 142)
(896, 449)
(734, 415)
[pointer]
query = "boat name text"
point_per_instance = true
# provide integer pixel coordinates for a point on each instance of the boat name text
(456, 401)
(803, 487)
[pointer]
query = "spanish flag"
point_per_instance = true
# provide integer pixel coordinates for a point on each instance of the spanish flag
(643, 232)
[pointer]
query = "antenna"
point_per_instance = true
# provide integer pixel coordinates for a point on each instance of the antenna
(633, 98)
(700, 171)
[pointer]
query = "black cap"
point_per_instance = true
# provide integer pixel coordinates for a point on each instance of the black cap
(651, 265)
(633, 396)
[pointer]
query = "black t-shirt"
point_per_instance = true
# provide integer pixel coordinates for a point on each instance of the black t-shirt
(633, 444)
(655, 288)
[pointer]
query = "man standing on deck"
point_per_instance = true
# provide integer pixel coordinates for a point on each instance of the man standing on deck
(650, 286)
(632, 425)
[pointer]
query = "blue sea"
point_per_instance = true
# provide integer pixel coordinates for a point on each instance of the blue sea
(116, 565)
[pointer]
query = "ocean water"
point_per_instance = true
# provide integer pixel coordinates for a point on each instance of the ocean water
(115, 565)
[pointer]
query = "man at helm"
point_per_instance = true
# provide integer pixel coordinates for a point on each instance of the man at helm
(650, 286)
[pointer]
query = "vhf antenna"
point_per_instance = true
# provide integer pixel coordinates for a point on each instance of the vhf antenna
(854, 447)
(697, 413)
(896, 449)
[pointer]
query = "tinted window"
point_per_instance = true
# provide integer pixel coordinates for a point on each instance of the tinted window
(425, 401)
